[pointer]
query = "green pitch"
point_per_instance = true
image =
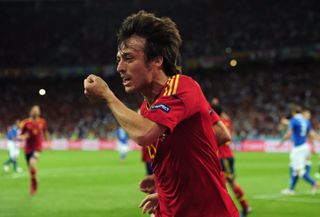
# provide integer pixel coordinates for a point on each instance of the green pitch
(95, 184)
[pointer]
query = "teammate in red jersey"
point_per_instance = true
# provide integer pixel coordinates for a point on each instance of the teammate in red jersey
(227, 162)
(33, 129)
(174, 119)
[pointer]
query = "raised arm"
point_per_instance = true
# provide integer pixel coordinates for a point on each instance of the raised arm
(140, 129)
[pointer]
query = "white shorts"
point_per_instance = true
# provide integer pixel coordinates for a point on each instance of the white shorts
(299, 158)
(13, 148)
(123, 148)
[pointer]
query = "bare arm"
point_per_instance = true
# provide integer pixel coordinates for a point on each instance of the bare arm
(286, 136)
(140, 129)
(46, 135)
(23, 136)
(222, 133)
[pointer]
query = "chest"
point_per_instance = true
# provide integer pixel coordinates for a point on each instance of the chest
(34, 128)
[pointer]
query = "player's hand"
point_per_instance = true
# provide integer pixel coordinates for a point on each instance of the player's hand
(96, 89)
(149, 203)
(148, 185)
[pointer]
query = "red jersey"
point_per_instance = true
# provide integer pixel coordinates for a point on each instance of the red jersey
(187, 170)
(34, 128)
(225, 150)
(214, 116)
(145, 154)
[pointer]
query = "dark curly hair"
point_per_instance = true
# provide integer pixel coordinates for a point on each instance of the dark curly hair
(162, 38)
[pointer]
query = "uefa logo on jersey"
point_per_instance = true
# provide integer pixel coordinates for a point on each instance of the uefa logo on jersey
(163, 107)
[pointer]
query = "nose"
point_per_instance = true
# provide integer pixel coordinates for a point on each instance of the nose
(121, 66)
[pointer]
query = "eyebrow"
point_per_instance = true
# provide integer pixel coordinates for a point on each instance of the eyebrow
(123, 54)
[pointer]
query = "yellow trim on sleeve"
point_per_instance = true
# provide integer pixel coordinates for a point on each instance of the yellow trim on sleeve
(167, 87)
(170, 86)
(176, 84)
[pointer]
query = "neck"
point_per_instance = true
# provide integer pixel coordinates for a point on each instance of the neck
(34, 117)
(152, 92)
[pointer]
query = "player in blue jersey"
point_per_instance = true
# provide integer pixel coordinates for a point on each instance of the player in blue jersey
(299, 130)
(123, 145)
(13, 148)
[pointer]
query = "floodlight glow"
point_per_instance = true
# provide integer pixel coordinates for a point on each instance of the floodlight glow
(42, 92)
(233, 62)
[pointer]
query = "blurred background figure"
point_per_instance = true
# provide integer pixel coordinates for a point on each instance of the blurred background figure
(122, 143)
(228, 162)
(299, 131)
(13, 146)
(33, 130)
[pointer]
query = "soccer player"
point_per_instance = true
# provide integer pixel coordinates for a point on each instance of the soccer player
(123, 145)
(33, 129)
(299, 130)
(147, 185)
(227, 162)
(174, 119)
(13, 148)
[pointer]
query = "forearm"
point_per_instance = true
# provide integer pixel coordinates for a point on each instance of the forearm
(221, 133)
(285, 137)
(140, 129)
(23, 136)
(46, 136)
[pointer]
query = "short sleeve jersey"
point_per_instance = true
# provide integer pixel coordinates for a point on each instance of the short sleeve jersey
(12, 134)
(300, 127)
(34, 129)
(188, 174)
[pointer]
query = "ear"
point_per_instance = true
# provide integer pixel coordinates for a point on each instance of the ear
(158, 61)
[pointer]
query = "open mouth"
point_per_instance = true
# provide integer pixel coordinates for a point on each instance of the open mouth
(126, 81)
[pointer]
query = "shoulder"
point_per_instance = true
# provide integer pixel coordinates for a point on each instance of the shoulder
(179, 84)
(41, 121)
(24, 122)
(293, 120)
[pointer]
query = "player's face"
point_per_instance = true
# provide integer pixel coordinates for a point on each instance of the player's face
(35, 111)
(136, 74)
(307, 115)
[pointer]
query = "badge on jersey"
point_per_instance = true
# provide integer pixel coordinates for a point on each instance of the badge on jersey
(163, 107)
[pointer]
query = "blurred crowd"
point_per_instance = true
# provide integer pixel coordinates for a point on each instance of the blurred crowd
(67, 111)
(83, 32)
(256, 98)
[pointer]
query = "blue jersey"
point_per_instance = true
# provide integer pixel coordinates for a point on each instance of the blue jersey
(122, 136)
(300, 128)
(12, 134)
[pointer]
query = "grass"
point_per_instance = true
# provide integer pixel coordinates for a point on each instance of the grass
(95, 184)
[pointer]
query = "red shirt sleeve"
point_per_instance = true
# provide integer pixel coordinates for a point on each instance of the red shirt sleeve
(23, 127)
(214, 116)
(177, 102)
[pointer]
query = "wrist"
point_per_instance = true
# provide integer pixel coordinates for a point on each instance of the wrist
(109, 97)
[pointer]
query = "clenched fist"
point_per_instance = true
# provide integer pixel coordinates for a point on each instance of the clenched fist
(96, 89)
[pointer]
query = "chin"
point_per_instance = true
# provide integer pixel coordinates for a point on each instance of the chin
(130, 89)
